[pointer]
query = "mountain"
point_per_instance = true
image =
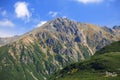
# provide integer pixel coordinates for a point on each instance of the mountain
(58, 43)
(4, 41)
(104, 65)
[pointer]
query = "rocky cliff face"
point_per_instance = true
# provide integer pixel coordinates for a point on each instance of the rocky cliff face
(58, 43)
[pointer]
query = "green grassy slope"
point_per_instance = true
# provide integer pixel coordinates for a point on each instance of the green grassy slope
(104, 65)
(11, 69)
(30, 62)
(113, 47)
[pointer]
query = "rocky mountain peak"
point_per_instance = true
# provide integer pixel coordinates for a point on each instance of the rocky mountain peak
(60, 22)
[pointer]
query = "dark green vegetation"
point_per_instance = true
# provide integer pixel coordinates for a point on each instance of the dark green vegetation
(104, 65)
(15, 69)
(113, 47)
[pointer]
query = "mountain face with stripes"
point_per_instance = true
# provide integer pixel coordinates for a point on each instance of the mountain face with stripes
(58, 43)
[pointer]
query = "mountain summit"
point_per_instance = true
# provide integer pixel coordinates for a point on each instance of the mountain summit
(59, 42)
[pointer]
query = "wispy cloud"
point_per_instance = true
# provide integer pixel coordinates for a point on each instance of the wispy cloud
(89, 1)
(53, 13)
(64, 16)
(40, 23)
(6, 34)
(6, 23)
(22, 11)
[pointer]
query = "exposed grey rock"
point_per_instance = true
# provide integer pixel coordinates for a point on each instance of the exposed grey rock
(116, 27)
(50, 42)
(78, 39)
(108, 29)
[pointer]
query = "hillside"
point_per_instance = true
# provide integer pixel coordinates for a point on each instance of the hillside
(104, 65)
(58, 43)
(113, 47)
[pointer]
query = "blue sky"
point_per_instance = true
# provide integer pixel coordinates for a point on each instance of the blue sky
(20, 16)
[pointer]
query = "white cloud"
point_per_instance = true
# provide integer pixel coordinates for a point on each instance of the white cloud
(6, 23)
(40, 23)
(22, 11)
(90, 1)
(53, 14)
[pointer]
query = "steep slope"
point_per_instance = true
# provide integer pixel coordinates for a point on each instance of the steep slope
(54, 45)
(104, 65)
